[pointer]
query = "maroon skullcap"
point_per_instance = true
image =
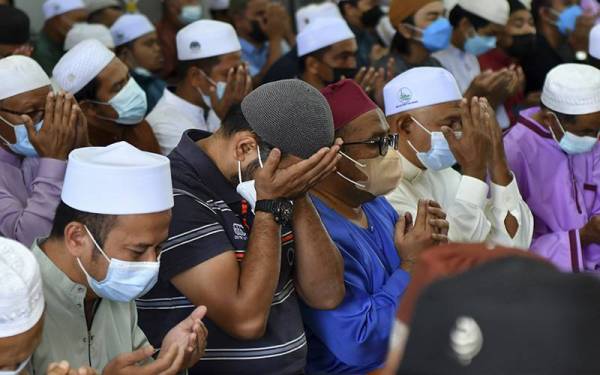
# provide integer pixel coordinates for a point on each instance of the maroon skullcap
(347, 101)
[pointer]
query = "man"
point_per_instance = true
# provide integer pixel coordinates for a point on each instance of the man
(14, 32)
(263, 27)
(103, 253)
(105, 12)
(477, 26)
(264, 245)
(175, 15)
(38, 129)
(438, 128)
(363, 16)
(553, 151)
(59, 17)
(378, 247)
(139, 48)
(111, 100)
(83, 31)
(211, 79)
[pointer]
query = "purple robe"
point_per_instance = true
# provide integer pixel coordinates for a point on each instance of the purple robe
(561, 191)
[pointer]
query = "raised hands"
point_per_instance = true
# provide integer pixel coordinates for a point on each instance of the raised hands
(239, 84)
(64, 368)
(189, 336)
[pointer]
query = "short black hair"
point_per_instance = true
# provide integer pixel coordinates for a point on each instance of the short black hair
(342, 4)
(89, 91)
(536, 5)
(318, 54)
(563, 118)
(458, 13)
(234, 121)
(98, 225)
(206, 65)
(516, 5)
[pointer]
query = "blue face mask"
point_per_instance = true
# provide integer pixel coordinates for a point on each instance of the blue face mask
(190, 13)
(436, 36)
(125, 281)
(567, 18)
(574, 144)
(478, 44)
(22, 146)
(439, 156)
(130, 104)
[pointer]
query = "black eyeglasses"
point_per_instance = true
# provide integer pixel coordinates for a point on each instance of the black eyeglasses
(384, 143)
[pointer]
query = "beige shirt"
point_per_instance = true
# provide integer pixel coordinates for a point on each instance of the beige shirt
(66, 337)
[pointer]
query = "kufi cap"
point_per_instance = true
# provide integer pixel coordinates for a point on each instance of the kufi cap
(14, 28)
(290, 115)
(506, 317)
(219, 4)
(53, 8)
(572, 89)
(595, 41)
(527, 3)
(311, 12)
(418, 88)
(206, 38)
(402, 9)
(129, 27)
(20, 74)
(347, 101)
(321, 33)
(83, 31)
(117, 180)
(449, 5)
(21, 292)
(81, 64)
(96, 5)
(495, 11)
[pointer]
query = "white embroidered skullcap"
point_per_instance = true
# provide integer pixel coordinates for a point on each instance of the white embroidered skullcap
(321, 33)
(130, 27)
(311, 12)
(595, 41)
(53, 8)
(20, 74)
(83, 31)
(495, 11)
(572, 89)
(206, 38)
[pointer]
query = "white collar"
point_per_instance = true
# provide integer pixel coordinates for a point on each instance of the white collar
(190, 110)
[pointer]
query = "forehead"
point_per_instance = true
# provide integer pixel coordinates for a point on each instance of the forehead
(114, 72)
(78, 14)
(437, 111)
(434, 8)
(589, 119)
(256, 5)
(522, 14)
(143, 228)
(233, 58)
(146, 37)
(29, 99)
(348, 45)
(369, 123)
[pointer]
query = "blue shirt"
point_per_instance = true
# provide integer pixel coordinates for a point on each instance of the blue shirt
(256, 57)
(353, 338)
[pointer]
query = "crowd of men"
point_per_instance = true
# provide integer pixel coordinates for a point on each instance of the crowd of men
(351, 187)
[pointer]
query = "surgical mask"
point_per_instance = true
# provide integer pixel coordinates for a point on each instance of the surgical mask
(220, 87)
(522, 45)
(142, 71)
(125, 281)
(439, 156)
(22, 146)
(130, 104)
(574, 144)
(479, 44)
(190, 13)
(19, 369)
(247, 189)
(567, 18)
(436, 36)
(384, 173)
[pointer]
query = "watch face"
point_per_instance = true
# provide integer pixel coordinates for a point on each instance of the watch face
(285, 210)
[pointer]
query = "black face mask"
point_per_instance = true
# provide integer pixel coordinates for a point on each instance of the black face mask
(339, 73)
(257, 34)
(522, 46)
(371, 17)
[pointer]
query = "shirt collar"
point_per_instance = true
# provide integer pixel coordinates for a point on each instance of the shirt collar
(526, 119)
(191, 110)
(411, 171)
(204, 167)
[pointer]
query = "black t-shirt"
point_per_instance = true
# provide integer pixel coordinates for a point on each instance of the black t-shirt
(542, 60)
(207, 221)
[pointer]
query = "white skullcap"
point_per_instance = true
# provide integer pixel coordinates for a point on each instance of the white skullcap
(321, 33)
(495, 11)
(311, 12)
(130, 27)
(595, 41)
(206, 38)
(96, 5)
(418, 88)
(53, 8)
(81, 64)
(20, 74)
(117, 180)
(219, 4)
(21, 292)
(527, 3)
(572, 89)
(83, 31)
(450, 4)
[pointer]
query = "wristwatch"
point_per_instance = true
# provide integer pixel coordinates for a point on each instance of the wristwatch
(282, 209)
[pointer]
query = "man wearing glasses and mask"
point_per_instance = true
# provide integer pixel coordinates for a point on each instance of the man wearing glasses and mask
(378, 247)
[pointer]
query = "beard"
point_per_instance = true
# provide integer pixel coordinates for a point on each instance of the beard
(247, 173)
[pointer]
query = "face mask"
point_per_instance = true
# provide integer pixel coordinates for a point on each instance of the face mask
(371, 17)
(384, 173)
(22, 146)
(130, 104)
(125, 281)
(19, 369)
(247, 189)
(220, 86)
(190, 13)
(567, 18)
(478, 44)
(436, 36)
(439, 156)
(574, 144)
(257, 34)
(522, 45)
(142, 71)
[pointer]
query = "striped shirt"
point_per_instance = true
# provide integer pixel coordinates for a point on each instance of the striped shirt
(208, 221)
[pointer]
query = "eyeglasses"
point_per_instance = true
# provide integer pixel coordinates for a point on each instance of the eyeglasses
(384, 143)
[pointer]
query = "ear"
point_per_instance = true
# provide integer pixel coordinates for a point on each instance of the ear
(312, 65)
(406, 31)
(401, 124)
(76, 239)
(245, 145)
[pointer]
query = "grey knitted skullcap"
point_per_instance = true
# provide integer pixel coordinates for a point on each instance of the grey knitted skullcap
(290, 115)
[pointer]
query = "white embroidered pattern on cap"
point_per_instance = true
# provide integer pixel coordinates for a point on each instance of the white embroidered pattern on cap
(466, 340)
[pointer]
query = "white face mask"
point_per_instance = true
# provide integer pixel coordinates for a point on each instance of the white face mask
(247, 189)
(19, 368)
(220, 87)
